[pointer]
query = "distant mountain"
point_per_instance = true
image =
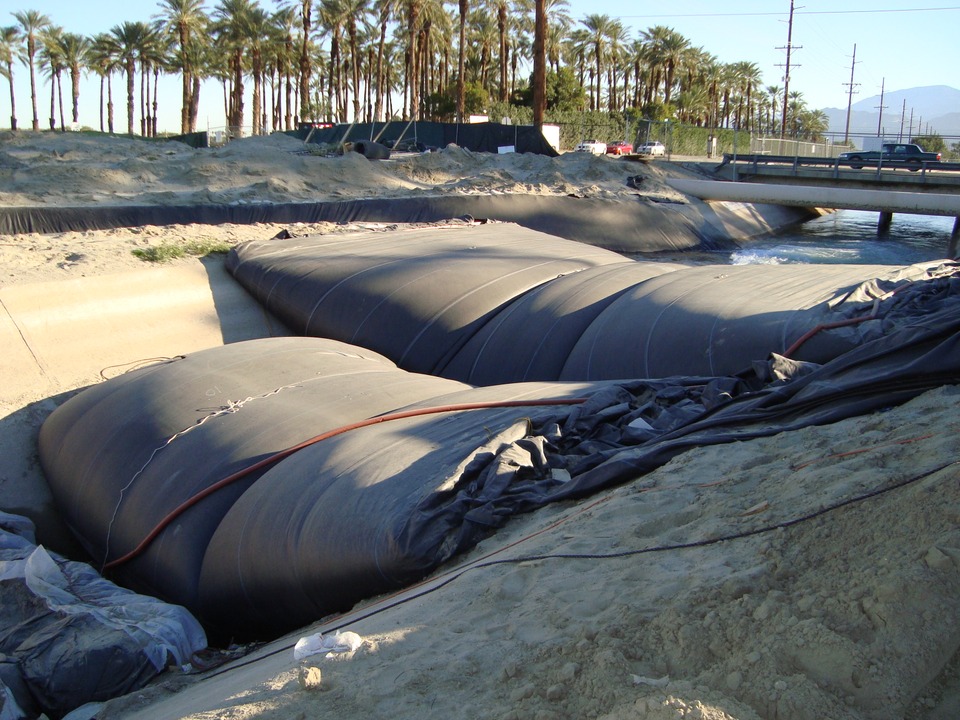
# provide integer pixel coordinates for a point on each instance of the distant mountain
(935, 108)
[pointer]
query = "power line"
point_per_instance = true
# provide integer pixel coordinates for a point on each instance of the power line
(799, 12)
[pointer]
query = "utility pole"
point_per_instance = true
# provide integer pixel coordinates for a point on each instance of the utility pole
(786, 75)
(881, 107)
(903, 116)
(850, 93)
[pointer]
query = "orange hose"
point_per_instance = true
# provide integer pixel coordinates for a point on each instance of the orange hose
(276, 457)
(825, 326)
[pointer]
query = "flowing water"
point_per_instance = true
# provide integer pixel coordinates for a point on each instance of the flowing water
(851, 236)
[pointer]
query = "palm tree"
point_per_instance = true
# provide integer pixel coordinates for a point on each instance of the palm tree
(432, 52)
(154, 55)
(75, 50)
(102, 59)
(9, 46)
(357, 12)
(413, 8)
(186, 21)
(32, 24)
(482, 37)
(386, 10)
(51, 59)
(129, 38)
(617, 44)
(284, 21)
(670, 51)
(775, 92)
(332, 18)
(559, 23)
(598, 27)
(232, 18)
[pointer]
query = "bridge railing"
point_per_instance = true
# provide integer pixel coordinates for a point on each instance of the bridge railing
(752, 162)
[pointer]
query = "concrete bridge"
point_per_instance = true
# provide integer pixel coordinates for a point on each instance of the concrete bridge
(829, 183)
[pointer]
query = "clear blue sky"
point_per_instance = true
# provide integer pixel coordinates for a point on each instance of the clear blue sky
(901, 43)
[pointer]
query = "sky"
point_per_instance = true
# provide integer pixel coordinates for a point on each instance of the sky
(900, 44)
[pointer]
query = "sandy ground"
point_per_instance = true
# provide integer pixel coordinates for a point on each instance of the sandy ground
(825, 583)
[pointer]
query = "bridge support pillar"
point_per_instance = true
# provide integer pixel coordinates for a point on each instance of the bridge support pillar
(954, 239)
(885, 219)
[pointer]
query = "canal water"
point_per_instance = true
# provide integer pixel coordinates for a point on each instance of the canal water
(851, 236)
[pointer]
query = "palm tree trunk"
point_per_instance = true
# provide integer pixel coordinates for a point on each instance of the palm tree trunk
(75, 94)
(539, 63)
(53, 102)
(153, 119)
(13, 97)
(413, 67)
(103, 79)
(502, 29)
(31, 51)
(461, 60)
(305, 68)
(131, 87)
(109, 105)
(194, 102)
(63, 126)
(143, 112)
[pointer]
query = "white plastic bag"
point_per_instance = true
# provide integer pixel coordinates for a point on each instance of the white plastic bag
(339, 642)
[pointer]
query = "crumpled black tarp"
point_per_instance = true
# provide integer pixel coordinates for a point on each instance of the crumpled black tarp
(70, 637)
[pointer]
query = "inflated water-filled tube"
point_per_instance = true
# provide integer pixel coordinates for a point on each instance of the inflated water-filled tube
(417, 296)
(148, 468)
(498, 303)
(122, 455)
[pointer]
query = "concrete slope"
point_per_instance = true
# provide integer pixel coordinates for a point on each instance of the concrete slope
(60, 336)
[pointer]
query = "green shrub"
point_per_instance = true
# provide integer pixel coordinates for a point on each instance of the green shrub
(168, 251)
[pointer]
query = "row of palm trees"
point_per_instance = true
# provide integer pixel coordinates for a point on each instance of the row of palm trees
(342, 60)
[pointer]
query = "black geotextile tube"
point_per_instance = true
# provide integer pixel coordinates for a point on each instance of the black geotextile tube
(122, 454)
(630, 225)
(492, 304)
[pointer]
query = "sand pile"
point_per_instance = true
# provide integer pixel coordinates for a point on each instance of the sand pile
(825, 580)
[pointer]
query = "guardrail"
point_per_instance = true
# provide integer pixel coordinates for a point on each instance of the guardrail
(835, 164)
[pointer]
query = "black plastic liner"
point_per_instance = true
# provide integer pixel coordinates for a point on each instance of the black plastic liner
(478, 137)
(634, 225)
(71, 637)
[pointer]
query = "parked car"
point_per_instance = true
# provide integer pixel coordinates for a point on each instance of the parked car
(619, 147)
(653, 149)
(592, 146)
(892, 153)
